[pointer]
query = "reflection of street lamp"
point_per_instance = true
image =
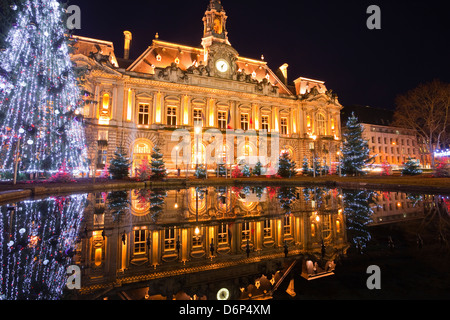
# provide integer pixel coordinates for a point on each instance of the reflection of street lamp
(197, 229)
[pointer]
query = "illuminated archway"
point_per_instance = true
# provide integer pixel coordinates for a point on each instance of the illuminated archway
(142, 150)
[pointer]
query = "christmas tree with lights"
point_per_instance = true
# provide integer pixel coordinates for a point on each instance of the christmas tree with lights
(41, 122)
(159, 171)
(355, 149)
(286, 167)
(120, 165)
(411, 168)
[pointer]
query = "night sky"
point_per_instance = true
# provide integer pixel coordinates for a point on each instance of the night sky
(323, 40)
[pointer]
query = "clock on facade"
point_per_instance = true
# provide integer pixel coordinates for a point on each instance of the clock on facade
(222, 65)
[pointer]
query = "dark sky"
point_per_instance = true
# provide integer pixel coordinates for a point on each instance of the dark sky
(319, 39)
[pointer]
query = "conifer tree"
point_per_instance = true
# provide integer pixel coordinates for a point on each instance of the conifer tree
(200, 171)
(411, 168)
(40, 101)
(355, 150)
(305, 167)
(159, 171)
(246, 171)
(257, 170)
(119, 166)
(286, 167)
(221, 170)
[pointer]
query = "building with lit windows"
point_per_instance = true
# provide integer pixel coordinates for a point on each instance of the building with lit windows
(141, 102)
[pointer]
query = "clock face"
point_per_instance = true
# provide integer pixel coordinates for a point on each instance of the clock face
(222, 65)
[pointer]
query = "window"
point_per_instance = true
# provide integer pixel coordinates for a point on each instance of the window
(265, 123)
(379, 140)
(287, 225)
(244, 121)
(169, 239)
(172, 116)
(246, 231)
(267, 228)
(144, 115)
(102, 155)
(198, 117)
(222, 119)
(222, 234)
(284, 126)
(321, 128)
(139, 241)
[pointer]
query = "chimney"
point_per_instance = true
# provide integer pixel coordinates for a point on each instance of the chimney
(283, 70)
(128, 38)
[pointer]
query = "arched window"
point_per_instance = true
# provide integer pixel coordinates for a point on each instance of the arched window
(321, 125)
(141, 152)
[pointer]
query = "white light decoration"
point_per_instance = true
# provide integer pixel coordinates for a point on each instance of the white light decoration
(42, 265)
(39, 80)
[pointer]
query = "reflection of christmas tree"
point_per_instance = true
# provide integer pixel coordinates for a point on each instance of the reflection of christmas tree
(157, 200)
(355, 149)
(40, 101)
(286, 197)
(118, 204)
(358, 212)
(37, 243)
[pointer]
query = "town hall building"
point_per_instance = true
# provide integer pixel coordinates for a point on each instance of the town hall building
(138, 104)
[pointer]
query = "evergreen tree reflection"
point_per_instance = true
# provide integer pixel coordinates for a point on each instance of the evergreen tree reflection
(37, 243)
(118, 204)
(358, 213)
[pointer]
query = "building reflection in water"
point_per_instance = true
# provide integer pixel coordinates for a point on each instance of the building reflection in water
(220, 231)
(193, 243)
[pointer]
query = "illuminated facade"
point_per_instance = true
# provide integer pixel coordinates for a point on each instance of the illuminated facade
(172, 86)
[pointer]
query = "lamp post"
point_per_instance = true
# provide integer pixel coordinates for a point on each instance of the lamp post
(197, 133)
(176, 161)
(339, 163)
(314, 156)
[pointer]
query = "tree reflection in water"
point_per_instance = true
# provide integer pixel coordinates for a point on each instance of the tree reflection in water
(38, 241)
(358, 213)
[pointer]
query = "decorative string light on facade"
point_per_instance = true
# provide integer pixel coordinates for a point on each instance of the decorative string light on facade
(442, 153)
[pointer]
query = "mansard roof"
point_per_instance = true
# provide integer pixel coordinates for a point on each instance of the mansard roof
(162, 54)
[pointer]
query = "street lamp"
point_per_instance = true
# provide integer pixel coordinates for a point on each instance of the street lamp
(314, 155)
(197, 133)
(339, 163)
(176, 161)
